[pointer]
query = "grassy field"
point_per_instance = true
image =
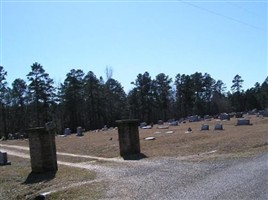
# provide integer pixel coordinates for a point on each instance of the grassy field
(16, 182)
(232, 140)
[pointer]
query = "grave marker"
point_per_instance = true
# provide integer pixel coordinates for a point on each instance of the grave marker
(79, 131)
(241, 122)
(205, 127)
(3, 158)
(218, 127)
(67, 131)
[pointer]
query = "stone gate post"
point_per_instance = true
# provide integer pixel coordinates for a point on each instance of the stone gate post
(42, 150)
(128, 134)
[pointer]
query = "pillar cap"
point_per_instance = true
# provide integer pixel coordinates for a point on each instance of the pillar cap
(31, 130)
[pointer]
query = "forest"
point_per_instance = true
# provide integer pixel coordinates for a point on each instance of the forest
(91, 102)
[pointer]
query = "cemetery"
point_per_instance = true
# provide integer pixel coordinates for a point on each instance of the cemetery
(203, 135)
(194, 141)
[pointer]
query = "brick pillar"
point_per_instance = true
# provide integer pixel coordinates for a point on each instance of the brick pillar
(129, 141)
(42, 150)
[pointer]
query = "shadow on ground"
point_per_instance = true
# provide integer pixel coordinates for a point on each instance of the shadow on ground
(39, 177)
(135, 156)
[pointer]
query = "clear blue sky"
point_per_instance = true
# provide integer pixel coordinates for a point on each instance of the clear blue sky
(222, 38)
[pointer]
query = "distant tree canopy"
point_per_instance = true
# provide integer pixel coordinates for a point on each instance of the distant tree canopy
(91, 102)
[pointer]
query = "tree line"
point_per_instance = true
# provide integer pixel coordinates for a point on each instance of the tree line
(91, 102)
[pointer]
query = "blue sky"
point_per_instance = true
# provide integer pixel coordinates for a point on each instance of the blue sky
(222, 38)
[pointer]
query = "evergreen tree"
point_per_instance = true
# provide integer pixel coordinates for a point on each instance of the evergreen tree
(18, 97)
(3, 91)
(162, 95)
(72, 99)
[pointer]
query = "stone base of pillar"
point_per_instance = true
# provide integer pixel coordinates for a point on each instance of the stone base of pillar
(128, 134)
(42, 150)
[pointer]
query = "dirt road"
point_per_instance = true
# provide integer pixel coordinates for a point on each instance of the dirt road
(172, 178)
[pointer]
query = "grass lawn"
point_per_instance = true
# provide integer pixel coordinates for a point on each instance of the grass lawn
(16, 182)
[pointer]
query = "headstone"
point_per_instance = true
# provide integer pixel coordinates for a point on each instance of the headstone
(232, 114)
(169, 132)
(10, 136)
(243, 122)
(160, 122)
(238, 115)
(149, 138)
(189, 130)
(163, 127)
(218, 127)
(3, 158)
(264, 113)
(205, 127)
(79, 131)
(143, 124)
(207, 118)
(105, 128)
(42, 149)
(128, 134)
(194, 118)
(67, 131)
(147, 127)
(224, 116)
(173, 123)
(252, 112)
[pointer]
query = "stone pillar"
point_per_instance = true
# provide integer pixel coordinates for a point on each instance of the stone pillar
(42, 150)
(128, 134)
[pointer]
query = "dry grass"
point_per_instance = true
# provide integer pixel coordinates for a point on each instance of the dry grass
(232, 140)
(16, 182)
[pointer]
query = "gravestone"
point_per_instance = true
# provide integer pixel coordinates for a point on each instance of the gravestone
(218, 127)
(205, 127)
(238, 115)
(160, 122)
(67, 131)
(143, 124)
(264, 113)
(189, 130)
(252, 112)
(173, 123)
(243, 122)
(105, 128)
(3, 158)
(207, 117)
(224, 116)
(79, 131)
(128, 134)
(194, 118)
(43, 149)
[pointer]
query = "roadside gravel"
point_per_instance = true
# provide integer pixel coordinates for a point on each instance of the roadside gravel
(169, 178)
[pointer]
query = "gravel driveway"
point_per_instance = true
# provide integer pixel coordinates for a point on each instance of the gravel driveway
(173, 178)
(169, 178)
